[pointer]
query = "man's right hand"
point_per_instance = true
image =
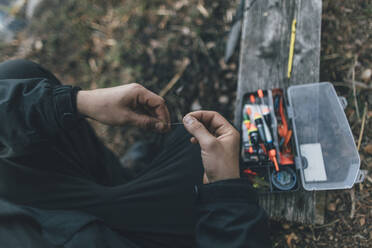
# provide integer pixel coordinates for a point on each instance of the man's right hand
(125, 104)
(219, 142)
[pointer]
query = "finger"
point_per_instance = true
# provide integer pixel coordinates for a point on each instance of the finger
(147, 122)
(156, 103)
(215, 123)
(197, 129)
(162, 113)
(205, 179)
(193, 140)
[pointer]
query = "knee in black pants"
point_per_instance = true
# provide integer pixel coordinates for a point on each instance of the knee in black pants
(22, 69)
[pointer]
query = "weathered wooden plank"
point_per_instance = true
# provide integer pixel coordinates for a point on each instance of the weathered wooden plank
(263, 64)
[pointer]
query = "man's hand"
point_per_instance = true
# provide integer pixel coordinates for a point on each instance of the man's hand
(219, 142)
(126, 104)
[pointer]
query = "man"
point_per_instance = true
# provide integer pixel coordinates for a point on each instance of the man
(61, 187)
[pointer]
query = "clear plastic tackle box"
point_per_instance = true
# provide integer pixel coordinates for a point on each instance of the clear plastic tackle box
(322, 148)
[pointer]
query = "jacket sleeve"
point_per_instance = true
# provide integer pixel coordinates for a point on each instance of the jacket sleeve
(32, 112)
(229, 216)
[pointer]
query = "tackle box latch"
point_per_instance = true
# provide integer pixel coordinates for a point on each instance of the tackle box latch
(361, 175)
(343, 101)
(300, 162)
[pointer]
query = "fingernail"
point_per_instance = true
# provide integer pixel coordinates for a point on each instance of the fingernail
(188, 119)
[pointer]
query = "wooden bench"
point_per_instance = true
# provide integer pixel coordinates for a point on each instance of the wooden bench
(264, 53)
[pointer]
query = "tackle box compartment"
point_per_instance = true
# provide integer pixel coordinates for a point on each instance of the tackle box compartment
(324, 152)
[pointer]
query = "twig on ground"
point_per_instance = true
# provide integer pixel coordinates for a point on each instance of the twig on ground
(363, 124)
(176, 77)
(352, 196)
(325, 225)
(202, 10)
(354, 88)
(204, 49)
(331, 56)
(369, 179)
(349, 83)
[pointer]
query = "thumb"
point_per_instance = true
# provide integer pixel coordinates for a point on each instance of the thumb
(147, 122)
(198, 130)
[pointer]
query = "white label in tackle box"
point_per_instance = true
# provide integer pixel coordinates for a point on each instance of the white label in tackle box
(315, 170)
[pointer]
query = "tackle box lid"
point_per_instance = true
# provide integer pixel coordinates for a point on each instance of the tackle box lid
(327, 156)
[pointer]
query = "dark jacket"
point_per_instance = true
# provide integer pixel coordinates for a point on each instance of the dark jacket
(32, 111)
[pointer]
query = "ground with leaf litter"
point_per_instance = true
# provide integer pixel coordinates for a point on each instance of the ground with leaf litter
(106, 43)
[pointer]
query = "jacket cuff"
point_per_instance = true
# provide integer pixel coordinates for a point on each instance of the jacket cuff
(66, 112)
(231, 190)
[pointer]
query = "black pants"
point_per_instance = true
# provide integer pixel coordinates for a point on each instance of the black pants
(75, 171)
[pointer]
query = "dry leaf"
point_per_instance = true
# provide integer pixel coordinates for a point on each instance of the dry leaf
(369, 163)
(331, 207)
(223, 99)
(196, 105)
(362, 157)
(290, 237)
(38, 45)
(286, 226)
(202, 10)
(366, 75)
(362, 221)
(222, 64)
(368, 149)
